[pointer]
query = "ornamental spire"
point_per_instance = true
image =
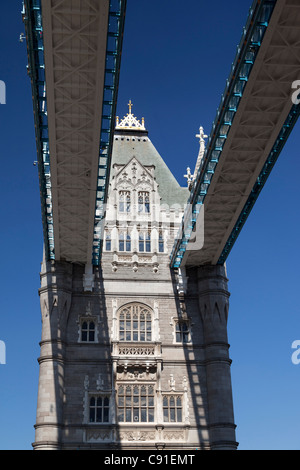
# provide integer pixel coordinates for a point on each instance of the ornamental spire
(130, 121)
(189, 176)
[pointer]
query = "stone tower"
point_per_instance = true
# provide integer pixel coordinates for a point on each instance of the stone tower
(134, 355)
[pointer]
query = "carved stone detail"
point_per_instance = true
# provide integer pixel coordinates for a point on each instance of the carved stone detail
(137, 435)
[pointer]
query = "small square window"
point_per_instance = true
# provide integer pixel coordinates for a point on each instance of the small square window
(88, 330)
(182, 332)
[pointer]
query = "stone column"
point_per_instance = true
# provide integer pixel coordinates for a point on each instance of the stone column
(55, 300)
(214, 304)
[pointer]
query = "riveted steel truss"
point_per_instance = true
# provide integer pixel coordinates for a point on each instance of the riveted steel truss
(255, 118)
(77, 46)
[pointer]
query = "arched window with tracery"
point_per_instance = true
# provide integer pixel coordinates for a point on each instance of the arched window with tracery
(124, 201)
(144, 202)
(135, 323)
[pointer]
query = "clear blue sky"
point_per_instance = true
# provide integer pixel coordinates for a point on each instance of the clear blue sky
(176, 59)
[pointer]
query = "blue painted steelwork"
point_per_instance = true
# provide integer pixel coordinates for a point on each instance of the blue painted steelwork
(32, 15)
(115, 30)
(252, 37)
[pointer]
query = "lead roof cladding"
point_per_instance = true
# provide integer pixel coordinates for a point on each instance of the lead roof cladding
(135, 143)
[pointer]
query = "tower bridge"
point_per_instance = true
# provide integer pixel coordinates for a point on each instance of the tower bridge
(74, 71)
(133, 353)
(254, 120)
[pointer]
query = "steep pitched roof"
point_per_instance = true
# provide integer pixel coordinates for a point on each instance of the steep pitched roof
(131, 140)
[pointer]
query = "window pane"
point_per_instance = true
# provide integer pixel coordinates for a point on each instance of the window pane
(184, 327)
(141, 242)
(99, 415)
(151, 415)
(92, 401)
(84, 336)
(106, 401)
(179, 415)
(136, 400)
(91, 336)
(128, 203)
(92, 415)
(151, 401)
(128, 415)
(144, 415)
(106, 415)
(108, 243)
(128, 243)
(166, 415)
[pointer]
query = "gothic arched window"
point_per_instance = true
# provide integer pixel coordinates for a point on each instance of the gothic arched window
(161, 245)
(172, 408)
(124, 241)
(144, 201)
(108, 241)
(145, 242)
(124, 201)
(135, 323)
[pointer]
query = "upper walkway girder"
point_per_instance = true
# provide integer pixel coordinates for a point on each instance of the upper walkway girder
(74, 50)
(254, 120)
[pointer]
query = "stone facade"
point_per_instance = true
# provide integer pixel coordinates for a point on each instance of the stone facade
(138, 356)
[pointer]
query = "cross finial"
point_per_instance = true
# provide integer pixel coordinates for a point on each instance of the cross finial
(130, 106)
(201, 135)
